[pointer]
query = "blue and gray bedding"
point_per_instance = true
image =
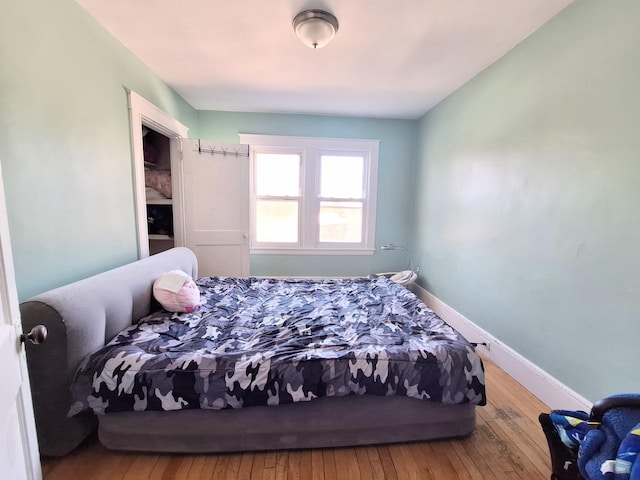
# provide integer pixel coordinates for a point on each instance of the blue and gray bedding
(256, 341)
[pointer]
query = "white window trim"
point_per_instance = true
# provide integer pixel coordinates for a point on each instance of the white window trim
(342, 145)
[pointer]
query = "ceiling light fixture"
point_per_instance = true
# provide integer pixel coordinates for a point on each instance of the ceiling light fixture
(315, 28)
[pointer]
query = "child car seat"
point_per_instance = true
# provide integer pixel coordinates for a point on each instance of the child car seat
(607, 449)
(602, 445)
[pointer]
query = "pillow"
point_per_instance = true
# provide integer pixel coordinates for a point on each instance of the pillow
(176, 291)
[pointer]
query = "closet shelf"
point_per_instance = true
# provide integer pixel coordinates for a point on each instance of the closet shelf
(151, 165)
(157, 236)
(160, 201)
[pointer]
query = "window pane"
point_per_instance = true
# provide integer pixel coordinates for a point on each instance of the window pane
(341, 222)
(277, 174)
(341, 176)
(277, 221)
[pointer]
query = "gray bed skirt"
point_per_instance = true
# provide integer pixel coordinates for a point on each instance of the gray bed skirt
(323, 422)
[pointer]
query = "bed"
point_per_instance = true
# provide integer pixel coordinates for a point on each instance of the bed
(261, 364)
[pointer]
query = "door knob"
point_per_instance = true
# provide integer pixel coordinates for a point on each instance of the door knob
(37, 335)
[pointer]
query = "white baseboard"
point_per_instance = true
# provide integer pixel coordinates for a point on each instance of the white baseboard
(547, 388)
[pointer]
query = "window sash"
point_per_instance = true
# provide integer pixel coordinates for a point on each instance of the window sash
(351, 228)
(284, 227)
(336, 170)
(292, 189)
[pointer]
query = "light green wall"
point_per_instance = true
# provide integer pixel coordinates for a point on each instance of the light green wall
(527, 219)
(64, 141)
(394, 203)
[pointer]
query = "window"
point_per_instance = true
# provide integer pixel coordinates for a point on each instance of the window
(312, 195)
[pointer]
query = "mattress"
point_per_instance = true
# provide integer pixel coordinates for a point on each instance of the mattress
(261, 341)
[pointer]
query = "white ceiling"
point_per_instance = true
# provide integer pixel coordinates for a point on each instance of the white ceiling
(390, 58)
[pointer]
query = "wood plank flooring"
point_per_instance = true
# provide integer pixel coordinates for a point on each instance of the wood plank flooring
(508, 443)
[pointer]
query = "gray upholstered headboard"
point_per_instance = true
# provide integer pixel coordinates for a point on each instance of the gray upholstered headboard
(81, 317)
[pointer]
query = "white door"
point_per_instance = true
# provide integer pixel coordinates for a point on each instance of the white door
(19, 457)
(216, 206)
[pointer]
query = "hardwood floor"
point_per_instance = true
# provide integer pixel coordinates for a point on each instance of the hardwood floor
(508, 443)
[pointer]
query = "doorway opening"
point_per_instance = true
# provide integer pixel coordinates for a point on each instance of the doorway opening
(163, 149)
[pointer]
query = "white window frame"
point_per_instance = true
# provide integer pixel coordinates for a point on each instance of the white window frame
(310, 149)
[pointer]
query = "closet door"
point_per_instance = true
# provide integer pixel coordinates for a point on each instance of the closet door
(216, 206)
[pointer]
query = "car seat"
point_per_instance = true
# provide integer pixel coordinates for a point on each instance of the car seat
(601, 445)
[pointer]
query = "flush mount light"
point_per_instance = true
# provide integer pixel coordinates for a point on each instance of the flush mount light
(315, 28)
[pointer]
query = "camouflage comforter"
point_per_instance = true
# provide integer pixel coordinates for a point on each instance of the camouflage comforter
(266, 342)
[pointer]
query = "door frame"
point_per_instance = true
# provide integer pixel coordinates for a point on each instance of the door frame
(144, 113)
(11, 310)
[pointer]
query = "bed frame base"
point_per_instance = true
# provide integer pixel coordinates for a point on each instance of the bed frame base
(324, 422)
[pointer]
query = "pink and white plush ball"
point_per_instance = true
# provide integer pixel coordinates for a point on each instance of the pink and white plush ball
(176, 292)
